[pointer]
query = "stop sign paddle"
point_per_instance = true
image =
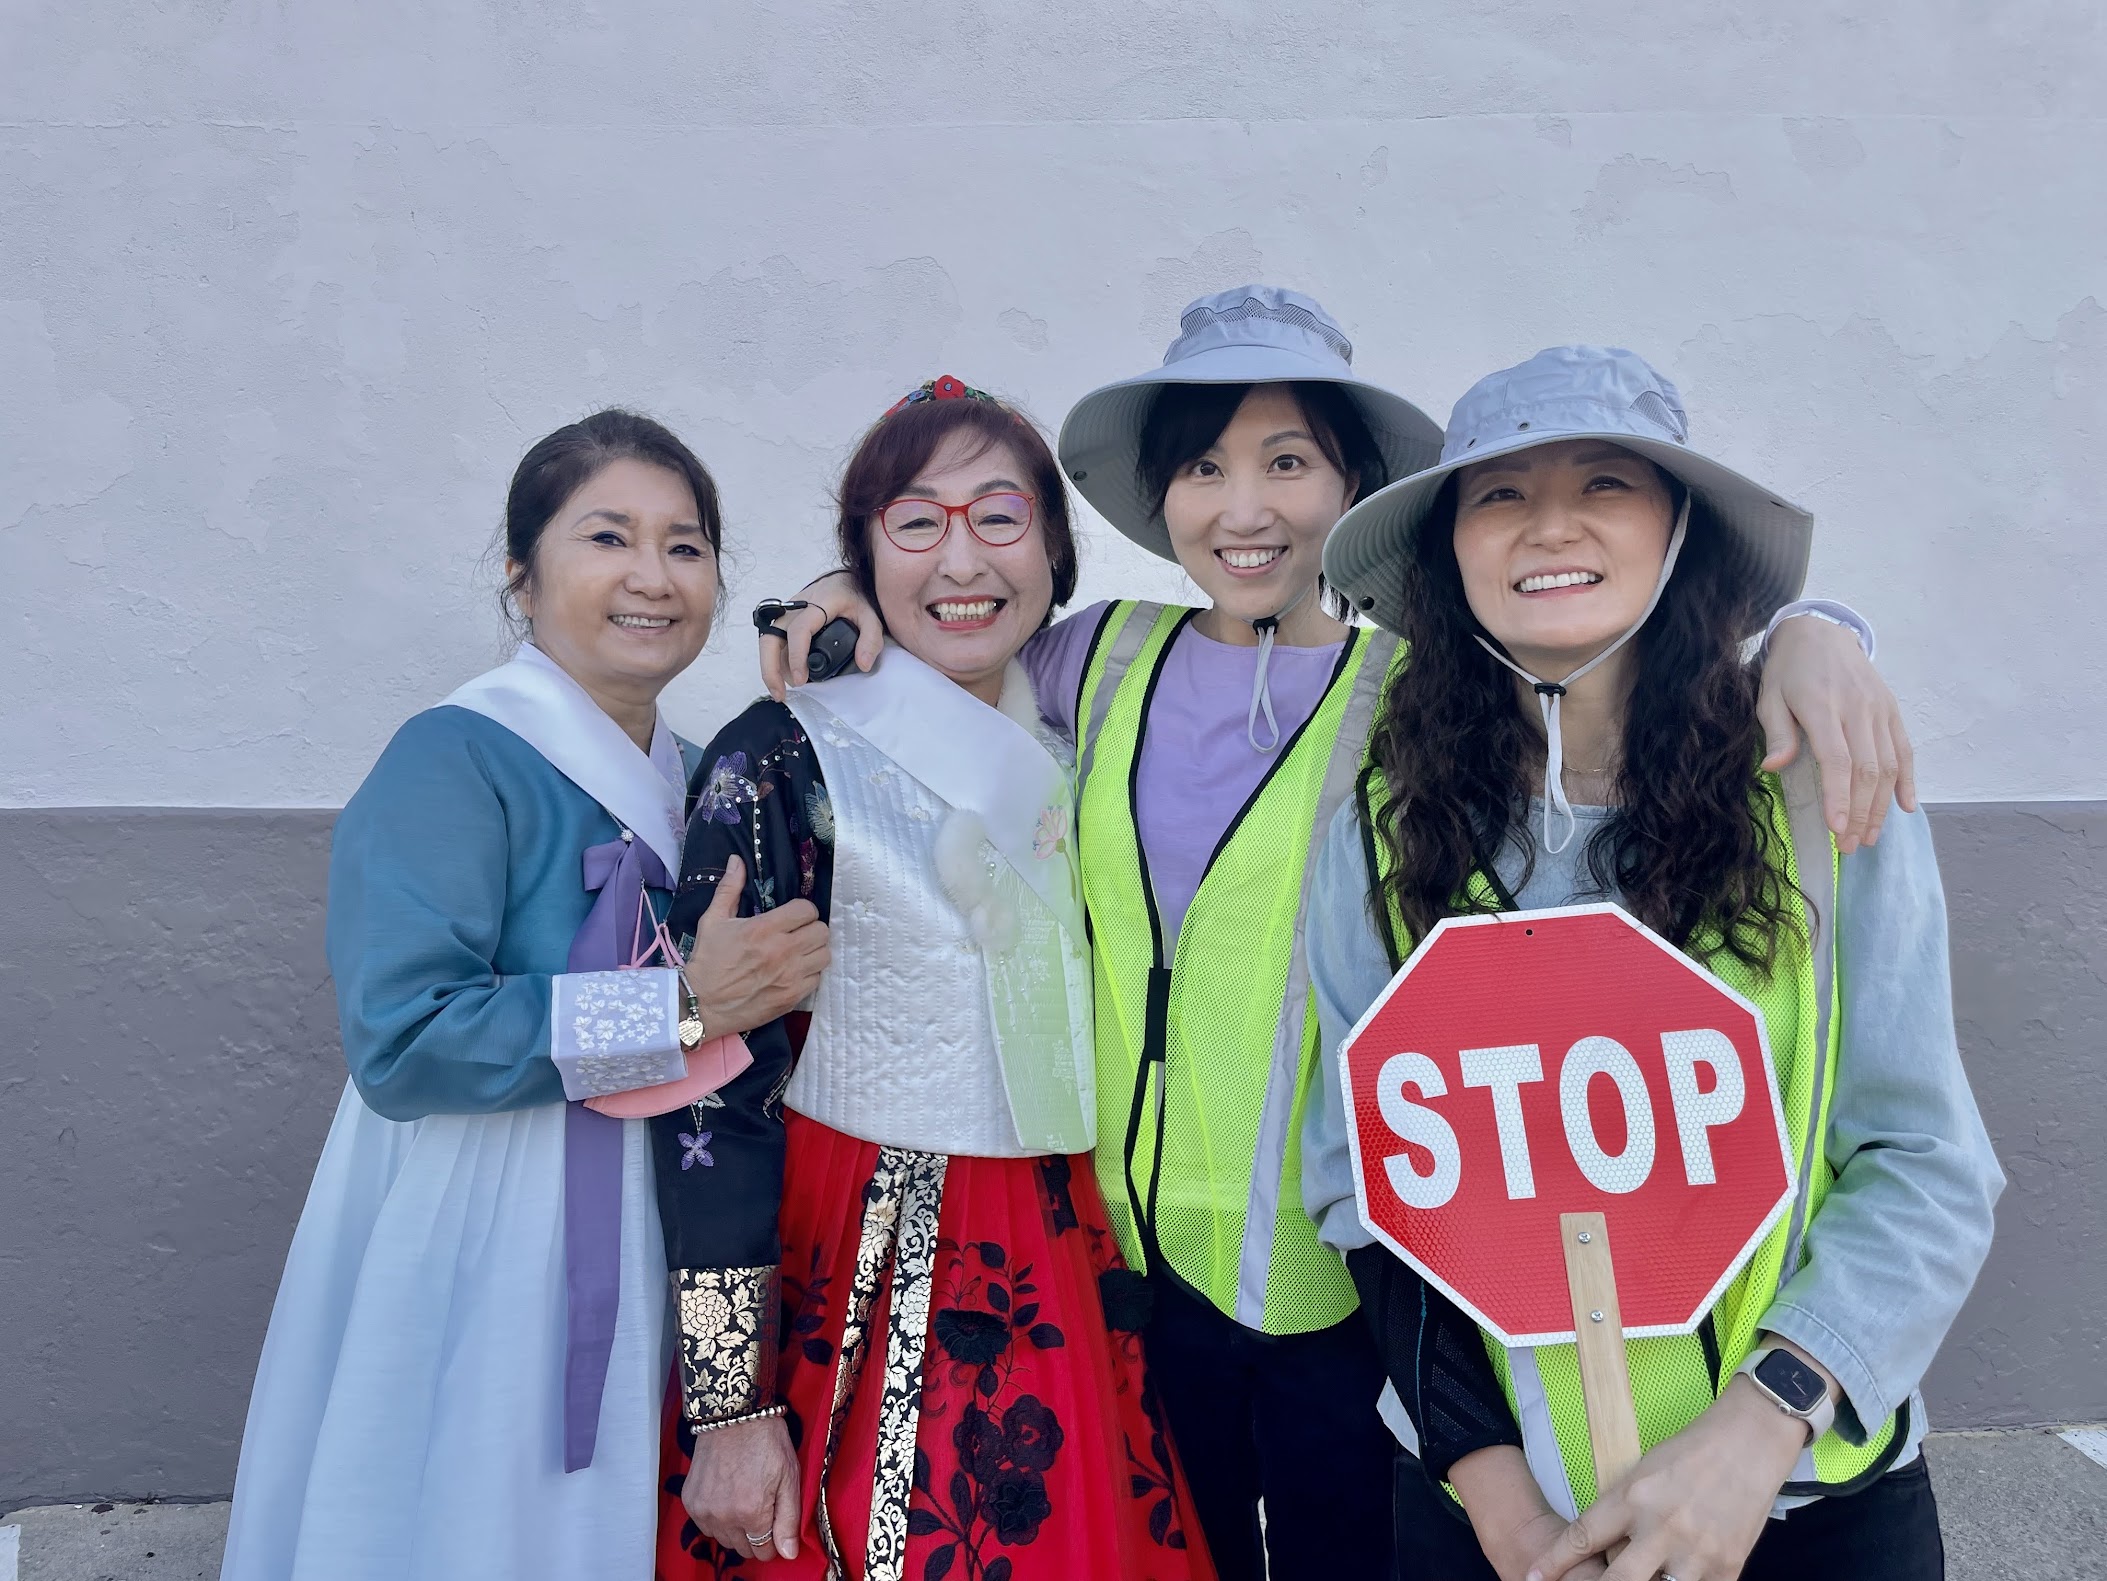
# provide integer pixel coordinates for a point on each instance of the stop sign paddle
(1535, 1087)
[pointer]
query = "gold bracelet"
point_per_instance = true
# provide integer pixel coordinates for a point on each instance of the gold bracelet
(766, 1411)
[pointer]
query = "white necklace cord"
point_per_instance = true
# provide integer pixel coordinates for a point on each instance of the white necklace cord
(1261, 695)
(1550, 693)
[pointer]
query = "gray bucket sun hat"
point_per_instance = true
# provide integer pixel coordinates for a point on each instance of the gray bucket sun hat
(1254, 334)
(1572, 392)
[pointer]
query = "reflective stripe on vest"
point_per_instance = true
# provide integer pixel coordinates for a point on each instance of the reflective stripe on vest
(1674, 1379)
(1206, 1050)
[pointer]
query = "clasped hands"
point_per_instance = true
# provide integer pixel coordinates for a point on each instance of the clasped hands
(1692, 1509)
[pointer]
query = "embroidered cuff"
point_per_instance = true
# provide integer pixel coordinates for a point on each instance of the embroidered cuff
(728, 1319)
(1824, 609)
(610, 1032)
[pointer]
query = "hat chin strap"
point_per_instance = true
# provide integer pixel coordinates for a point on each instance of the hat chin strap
(1550, 693)
(1261, 696)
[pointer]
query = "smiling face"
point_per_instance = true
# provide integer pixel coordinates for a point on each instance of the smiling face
(1561, 547)
(623, 583)
(964, 607)
(1249, 516)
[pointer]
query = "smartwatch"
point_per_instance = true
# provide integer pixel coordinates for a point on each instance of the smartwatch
(1793, 1387)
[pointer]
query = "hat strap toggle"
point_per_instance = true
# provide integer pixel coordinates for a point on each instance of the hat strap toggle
(1549, 694)
(1261, 695)
(1267, 627)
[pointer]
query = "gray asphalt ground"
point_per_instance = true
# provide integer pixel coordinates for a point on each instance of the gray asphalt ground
(2022, 1506)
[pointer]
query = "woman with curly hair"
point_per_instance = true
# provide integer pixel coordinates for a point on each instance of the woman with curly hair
(908, 1347)
(1578, 724)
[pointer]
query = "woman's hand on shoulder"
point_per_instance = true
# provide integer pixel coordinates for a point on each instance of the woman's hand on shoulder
(1819, 680)
(746, 971)
(833, 596)
(742, 1485)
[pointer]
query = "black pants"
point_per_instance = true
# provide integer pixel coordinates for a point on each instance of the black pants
(1887, 1532)
(1289, 1420)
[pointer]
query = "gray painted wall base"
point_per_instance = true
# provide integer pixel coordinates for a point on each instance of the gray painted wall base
(171, 1066)
(2026, 895)
(170, 1070)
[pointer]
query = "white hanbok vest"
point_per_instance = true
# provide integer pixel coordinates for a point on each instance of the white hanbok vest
(955, 1017)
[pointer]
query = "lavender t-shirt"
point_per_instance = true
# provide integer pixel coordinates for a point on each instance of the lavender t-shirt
(1198, 766)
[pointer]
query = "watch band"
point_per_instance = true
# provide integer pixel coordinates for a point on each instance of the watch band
(1820, 1415)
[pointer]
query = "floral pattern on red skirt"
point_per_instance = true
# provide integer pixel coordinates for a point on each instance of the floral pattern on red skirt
(1040, 1451)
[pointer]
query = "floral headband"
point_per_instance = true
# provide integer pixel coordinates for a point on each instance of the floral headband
(941, 388)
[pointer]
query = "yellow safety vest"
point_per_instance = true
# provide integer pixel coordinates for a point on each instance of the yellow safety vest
(1675, 1378)
(1205, 1054)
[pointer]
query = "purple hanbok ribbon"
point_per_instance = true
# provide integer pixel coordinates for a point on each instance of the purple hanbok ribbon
(609, 939)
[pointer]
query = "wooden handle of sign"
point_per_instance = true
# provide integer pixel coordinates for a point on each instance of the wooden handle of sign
(1605, 1383)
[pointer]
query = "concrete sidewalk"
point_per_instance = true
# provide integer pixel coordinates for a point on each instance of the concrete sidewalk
(2029, 1506)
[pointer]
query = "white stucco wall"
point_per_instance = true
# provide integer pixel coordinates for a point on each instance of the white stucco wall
(286, 289)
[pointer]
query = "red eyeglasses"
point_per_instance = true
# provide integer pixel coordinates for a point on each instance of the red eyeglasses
(920, 525)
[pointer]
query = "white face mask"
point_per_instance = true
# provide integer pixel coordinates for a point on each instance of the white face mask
(1550, 693)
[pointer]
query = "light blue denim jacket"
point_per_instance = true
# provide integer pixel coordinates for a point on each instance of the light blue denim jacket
(1904, 1229)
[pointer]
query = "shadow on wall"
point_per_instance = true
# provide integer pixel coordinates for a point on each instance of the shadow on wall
(173, 1065)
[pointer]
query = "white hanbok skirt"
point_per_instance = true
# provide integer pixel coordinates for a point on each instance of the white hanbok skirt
(407, 1421)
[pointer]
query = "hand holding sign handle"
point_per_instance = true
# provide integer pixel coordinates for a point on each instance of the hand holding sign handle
(1598, 1326)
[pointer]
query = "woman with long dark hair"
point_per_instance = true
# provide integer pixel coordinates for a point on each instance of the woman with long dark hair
(1213, 745)
(1578, 723)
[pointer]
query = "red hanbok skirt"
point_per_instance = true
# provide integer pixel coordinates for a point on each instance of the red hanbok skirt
(1040, 1453)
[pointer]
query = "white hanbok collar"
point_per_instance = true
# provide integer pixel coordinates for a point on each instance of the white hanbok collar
(535, 699)
(988, 761)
